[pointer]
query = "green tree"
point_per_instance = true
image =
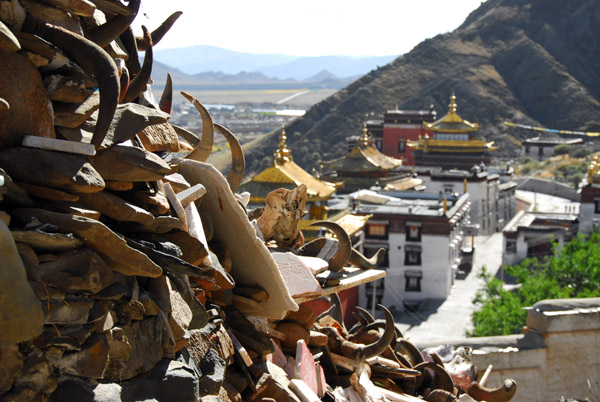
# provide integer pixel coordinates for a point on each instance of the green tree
(562, 149)
(572, 271)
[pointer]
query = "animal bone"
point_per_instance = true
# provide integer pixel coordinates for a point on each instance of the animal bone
(503, 393)
(110, 30)
(139, 82)
(238, 164)
(94, 60)
(204, 148)
(166, 99)
(159, 32)
(344, 248)
(279, 222)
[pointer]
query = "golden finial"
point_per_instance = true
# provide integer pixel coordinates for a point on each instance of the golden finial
(365, 138)
(452, 105)
(283, 154)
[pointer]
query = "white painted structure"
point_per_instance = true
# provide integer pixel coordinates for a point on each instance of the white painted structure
(424, 238)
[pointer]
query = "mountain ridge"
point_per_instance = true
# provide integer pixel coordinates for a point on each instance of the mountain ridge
(204, 58)
(528, 61)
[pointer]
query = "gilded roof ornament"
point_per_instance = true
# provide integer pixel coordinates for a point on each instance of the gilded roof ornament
(365, 138)
(452, 105)
(283, 154)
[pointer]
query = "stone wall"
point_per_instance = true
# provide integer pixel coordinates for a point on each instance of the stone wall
(557, 356)
(549, 187)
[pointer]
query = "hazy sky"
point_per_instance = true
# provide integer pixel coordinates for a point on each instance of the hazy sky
(305, 28)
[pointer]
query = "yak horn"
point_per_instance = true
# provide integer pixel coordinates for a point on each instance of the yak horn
(503, 393)
(364, 313)
(166, 99)
(338, 312)
(159, 32)
(202, 151)
(441, 378)
(139, 82)
(133, 60)
(104, 34)
(344, 245)
(358, 352)
(238, 164)
(124, 81)
(360, 261)
(94, 60)
(4, 107)
(410, 351)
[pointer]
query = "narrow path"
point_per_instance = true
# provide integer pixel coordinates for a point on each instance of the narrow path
(287, 98)
(452, 318)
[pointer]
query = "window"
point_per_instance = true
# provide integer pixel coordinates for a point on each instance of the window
(511, 246)
(412, 255)
(401, 146)
(597, 206)
(377, 231)
(413, 231)
(412, 281)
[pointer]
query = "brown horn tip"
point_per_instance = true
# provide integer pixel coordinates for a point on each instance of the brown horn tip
(204, 147)
(358, 351)
(503, 393)
(341, 258)
(238, 163)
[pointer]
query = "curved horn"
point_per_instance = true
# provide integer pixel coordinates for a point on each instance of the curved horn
(335, 300)
(441, 378)
(325, 313)
(94, 60)
(159, 32)
(186, 135)
(4, 107)
(133, 60)
(238, 163)
(360, 261)
(503, 393)
(344, 248)
(410, 351)
(364, 313)
(358, 352)
(104, 34)
(202, 151)
(138, 84)
(124, 81)
(166, 99)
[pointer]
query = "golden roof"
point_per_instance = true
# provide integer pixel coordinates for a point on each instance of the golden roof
(364, 157)
(452, 122)
(287, 174)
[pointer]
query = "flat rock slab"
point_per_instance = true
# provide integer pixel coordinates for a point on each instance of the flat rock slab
(113, 249)
(47, 242)
(73, 115)
(22, 88)
(159, 137)
(127, 163)
(52, 144)
(65, 89)
(191, 194)
(129, 119)
(80, 270)
(51, 169)
(47, 192)
(252, 264)
(299, 280)
(21, 315)
(115, 207)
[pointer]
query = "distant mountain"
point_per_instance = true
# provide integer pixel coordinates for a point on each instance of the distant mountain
(242, 80)
(202, 58)
(341, 66)
(534, 62)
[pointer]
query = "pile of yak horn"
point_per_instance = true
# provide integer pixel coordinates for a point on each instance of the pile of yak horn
(346, 254)
(395, 363)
